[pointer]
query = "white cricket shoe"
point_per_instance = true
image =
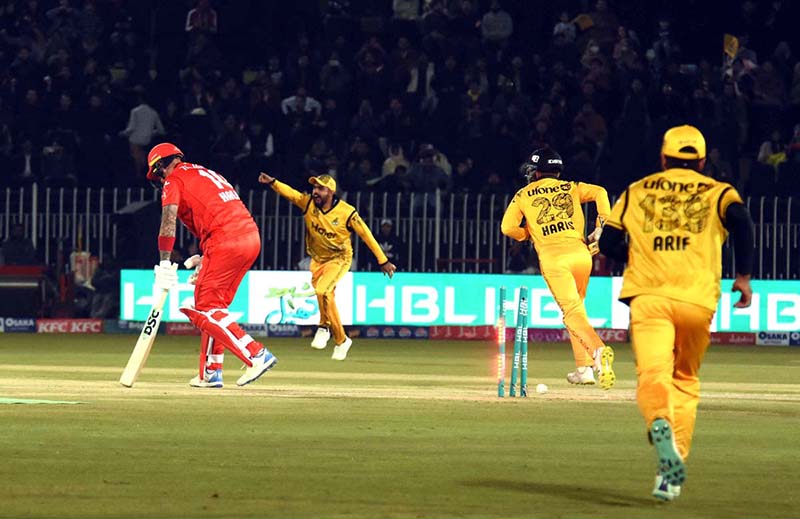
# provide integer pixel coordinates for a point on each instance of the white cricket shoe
(210, 379)
(664, 490)
(340, 350)
(321, 338)
(262, 363)
(581, 376)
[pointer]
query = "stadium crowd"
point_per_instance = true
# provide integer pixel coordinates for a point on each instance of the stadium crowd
(395, 95)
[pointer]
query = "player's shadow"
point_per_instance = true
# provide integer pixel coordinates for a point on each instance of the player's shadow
(603, 495)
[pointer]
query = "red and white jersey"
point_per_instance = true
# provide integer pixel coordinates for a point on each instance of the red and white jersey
(208, 205)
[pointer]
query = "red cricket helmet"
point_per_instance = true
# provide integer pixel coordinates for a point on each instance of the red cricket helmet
(154, 158)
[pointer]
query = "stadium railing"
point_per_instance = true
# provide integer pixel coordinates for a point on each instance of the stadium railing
(454, 232)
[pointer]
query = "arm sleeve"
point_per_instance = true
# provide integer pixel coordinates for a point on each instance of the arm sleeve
(613, 245)
(740, 225)
(171, 192)
(597, 194)
(510, 226)
(289, 193)
(357, 224)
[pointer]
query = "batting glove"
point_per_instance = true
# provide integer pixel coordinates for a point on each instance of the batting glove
(166, 275)
(194, 262)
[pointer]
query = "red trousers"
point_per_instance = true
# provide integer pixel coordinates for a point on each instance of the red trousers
(225, 262)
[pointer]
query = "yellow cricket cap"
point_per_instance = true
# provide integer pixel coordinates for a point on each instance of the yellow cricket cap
(324, 181)
(684, 142)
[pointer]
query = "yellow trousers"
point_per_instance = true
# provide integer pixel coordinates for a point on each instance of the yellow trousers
(669, 340)
(324, 278)
(566, 272)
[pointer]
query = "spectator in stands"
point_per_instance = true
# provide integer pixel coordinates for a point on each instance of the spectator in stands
(105, 299)
(390, 242)
(396, 123)
(564, 28)
(335, 79)
(58, 161)
(364, 122)
(595, 124)
(405, 9)
(717, 168)
(31, 120)
(464, 24)
(771, 155)
(426, 176)
(434, 28)
(260, 154)
(604, 26)
(26, 164)
(769, 87)
(396, 157)
(202, 19)
(496, 26)
(144, 124)
(230, 148)
(18, 249)
(300, 103)
(89, 23)
(63, 22)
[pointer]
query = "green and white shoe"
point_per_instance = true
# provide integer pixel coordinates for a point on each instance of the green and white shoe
(670, 464)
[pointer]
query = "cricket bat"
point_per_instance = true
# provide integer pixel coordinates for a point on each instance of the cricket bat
(145, 342)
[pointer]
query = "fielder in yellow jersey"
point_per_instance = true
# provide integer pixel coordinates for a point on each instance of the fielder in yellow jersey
(329, 224)
(548, 212)
(676, 222)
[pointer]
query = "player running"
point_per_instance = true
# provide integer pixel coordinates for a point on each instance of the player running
(229, 241)
(548, 212)
(329, 224)
(676, 222)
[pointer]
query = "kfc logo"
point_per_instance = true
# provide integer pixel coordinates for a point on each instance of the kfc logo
(69, 326)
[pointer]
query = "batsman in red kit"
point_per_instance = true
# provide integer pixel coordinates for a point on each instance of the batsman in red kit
(210, 208)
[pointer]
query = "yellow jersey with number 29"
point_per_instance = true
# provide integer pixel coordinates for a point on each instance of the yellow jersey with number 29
(553, 213)
(675, 223)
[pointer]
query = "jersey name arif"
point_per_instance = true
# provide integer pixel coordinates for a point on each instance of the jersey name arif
(668, 243)
(556, 227)
(227, 196)
(664, 184)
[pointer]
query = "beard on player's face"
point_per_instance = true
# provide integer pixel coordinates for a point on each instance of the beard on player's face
(320, 197)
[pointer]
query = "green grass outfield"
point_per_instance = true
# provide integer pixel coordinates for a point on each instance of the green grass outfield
(402, 429)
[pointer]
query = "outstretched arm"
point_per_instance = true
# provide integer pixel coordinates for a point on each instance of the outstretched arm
(294, 196)
(357, 224)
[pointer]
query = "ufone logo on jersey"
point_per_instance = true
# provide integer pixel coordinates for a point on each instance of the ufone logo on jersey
(322, 232)
(663, 184)
(544, 190)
